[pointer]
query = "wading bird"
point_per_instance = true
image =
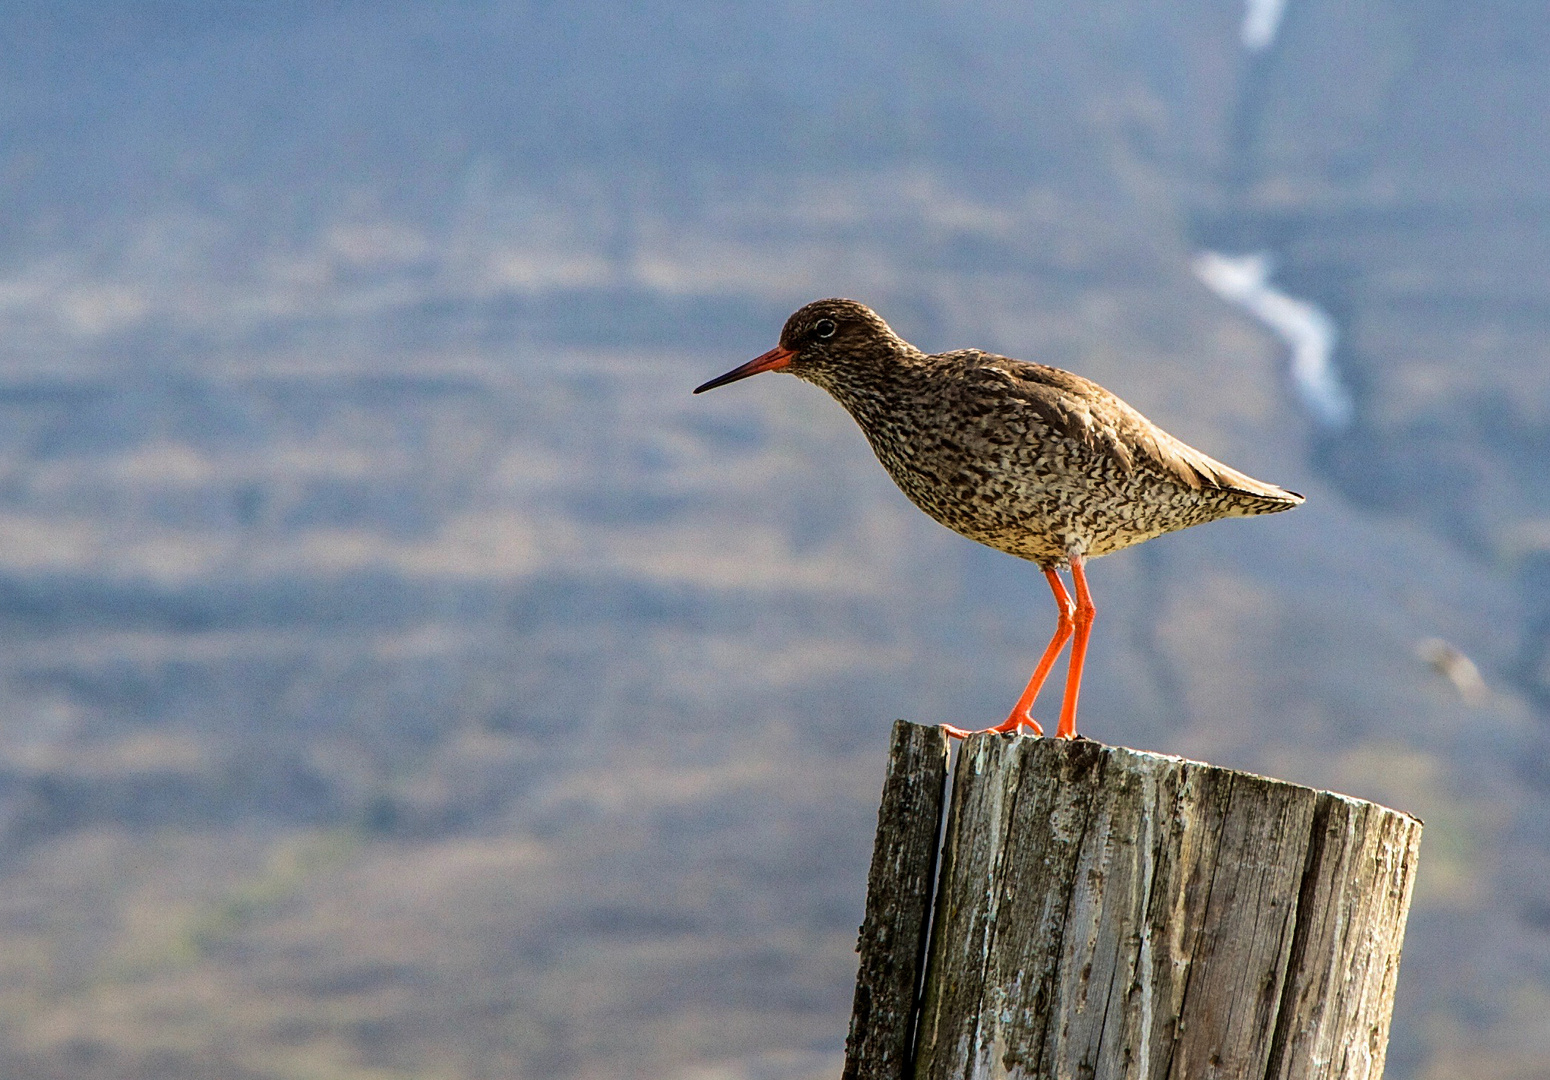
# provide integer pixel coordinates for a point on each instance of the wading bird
(1029, 459)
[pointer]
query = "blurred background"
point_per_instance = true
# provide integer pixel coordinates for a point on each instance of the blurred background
(403, 676)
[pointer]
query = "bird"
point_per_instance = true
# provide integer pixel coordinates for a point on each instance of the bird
(1028, 459)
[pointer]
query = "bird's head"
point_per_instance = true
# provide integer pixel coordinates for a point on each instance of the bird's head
(823, 340)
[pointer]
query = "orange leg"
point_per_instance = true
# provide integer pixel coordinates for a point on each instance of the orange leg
(1085, 612)
(1022, 712)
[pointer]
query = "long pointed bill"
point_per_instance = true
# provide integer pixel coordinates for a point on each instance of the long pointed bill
(773, 360)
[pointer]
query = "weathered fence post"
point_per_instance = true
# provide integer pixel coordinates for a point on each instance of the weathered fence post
(898, 904)
(1105, 913)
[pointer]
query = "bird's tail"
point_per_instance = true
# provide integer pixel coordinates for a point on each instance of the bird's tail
(1257, 497)
(1254, 496)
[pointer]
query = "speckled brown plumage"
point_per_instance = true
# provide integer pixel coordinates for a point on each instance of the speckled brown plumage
(1029, 459)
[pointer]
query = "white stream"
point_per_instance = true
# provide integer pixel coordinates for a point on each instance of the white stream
(1307, 330)
(1261, 20)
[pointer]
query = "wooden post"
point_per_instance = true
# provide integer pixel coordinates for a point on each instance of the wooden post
(898, 904)
(1106, 913)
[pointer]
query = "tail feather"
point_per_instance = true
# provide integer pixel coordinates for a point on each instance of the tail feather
(1266, 498)
(1262, 498)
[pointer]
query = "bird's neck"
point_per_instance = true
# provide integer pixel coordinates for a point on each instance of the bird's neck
(870, 386)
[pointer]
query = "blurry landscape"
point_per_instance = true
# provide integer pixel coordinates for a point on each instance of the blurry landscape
(403, 676)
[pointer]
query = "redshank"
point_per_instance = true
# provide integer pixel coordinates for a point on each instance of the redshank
(1028, 459)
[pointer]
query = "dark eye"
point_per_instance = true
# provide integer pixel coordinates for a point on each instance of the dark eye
(824, 329)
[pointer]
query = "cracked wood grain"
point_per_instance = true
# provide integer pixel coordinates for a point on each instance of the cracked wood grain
(1103, 912)
(892, 942)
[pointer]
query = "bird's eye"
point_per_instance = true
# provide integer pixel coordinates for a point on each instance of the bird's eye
(824, 329)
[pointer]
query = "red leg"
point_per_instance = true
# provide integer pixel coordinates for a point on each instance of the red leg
(1022, 712)
(1085, 612)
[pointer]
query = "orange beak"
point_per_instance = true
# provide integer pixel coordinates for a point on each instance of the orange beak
(773, 360)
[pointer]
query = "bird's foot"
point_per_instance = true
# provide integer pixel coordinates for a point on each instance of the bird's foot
(1011, 726)
(1017, 721)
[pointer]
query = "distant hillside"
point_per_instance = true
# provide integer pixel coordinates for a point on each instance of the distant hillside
(405, 676)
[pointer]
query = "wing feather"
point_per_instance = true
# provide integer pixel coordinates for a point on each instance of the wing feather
(1084, 411)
